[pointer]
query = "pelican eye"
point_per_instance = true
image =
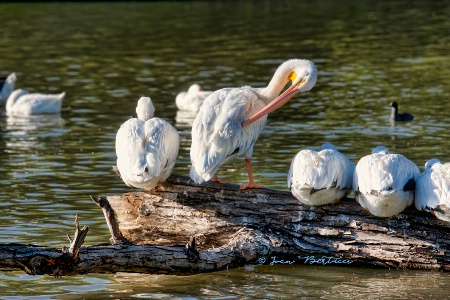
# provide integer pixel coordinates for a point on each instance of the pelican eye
(292, 76)
(146, 169)
(301, 81)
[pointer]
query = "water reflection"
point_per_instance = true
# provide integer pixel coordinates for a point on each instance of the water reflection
(31, 132)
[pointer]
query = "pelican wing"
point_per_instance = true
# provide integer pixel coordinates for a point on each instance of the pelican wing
(161, 147)
(384, 172)
(303, 169)
(338, 169)
(320, 170)
(217, 134)
(130, 149)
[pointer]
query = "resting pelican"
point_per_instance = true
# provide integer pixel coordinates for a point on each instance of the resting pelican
(192, 99)
(7, 87)
(146, 148)
(231, 119)
(320, 177)
(384, 183)
(433, 189)
(396, 116)
(21, 103)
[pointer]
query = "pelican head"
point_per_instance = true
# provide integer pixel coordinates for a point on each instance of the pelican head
(380, 149)
(194, 88)
(328, 146)
(301, 73)
(8, 86)
(431, 162)
(145, 109)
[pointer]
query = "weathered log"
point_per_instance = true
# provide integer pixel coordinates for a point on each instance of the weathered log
(184, 228)
(279, 229)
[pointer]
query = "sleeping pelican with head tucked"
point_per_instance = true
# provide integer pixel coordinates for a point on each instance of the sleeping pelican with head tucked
(320, 177)
(384, 183)
(146, 148)
(433, 189)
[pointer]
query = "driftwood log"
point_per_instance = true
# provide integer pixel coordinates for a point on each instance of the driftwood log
(184, 228)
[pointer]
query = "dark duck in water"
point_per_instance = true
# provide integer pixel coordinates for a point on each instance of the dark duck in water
(396, 116)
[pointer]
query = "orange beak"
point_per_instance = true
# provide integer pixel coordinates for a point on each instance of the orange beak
(275, 104)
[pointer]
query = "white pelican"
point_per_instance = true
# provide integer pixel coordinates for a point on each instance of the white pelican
(7, 87)
(21, 103)
(433, 189)
(320, 177)
(396, 116)
(384, 183)
(146, 148)
(192, 99)
(231, 119)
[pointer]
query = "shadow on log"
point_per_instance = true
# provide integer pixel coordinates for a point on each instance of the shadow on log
(184, 228)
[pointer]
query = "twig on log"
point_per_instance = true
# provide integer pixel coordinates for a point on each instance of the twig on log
(191, 250)
(117, 237)
(80, 235)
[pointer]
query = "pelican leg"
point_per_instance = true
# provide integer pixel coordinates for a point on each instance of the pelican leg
(215, 178)
(251, 184)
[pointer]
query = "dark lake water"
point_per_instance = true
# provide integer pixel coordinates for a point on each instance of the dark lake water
(106, 55)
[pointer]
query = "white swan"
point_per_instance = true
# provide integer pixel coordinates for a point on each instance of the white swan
(192, 99)
(21, 103)
(320, 177)
(231, 119)
(7, 88)
(384, 183)
(146, 148)
(433, 189)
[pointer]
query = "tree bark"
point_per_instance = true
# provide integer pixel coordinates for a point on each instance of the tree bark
(184, 228)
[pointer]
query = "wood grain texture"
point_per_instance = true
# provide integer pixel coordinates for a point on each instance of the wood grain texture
(184, 228)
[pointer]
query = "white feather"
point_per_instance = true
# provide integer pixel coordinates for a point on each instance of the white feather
(218, 134)
(320, 177)
(433, 189)
(22, 103)
(146, 148)
(379, 182)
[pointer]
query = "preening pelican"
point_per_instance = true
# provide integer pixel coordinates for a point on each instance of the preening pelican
(21, 103)
(320, 177)
(433, 189)
(396, 116)
(146, 148)
(8, 87)
(384, 183)
(231, 119)
(192, 99)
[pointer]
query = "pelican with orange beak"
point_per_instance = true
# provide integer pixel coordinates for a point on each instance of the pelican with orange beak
(231, 119)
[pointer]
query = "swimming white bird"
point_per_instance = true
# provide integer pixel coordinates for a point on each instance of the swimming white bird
(433, 189)
(231, 119)
(146, 148)
(192, 99)
(384, 183)
(21, 103)
(320, 177)
(8, 87)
